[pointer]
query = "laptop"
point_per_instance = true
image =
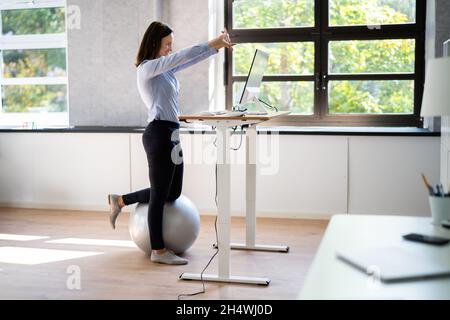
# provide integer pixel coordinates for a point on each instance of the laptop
(391, 264)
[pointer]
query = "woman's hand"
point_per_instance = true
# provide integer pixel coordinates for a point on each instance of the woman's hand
(222, 41)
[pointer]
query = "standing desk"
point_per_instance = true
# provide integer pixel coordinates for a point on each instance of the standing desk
(223, 123)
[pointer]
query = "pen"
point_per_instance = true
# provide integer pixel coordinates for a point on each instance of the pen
(427, 184)
(441, 190)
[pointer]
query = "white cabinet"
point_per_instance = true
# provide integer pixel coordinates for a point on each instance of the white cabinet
(300, 176)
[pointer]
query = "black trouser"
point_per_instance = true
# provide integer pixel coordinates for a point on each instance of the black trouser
(165, 165)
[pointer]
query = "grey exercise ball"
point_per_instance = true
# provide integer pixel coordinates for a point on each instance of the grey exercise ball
(181, 225)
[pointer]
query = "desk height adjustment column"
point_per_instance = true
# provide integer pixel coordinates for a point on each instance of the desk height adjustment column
(250, 191)
(224, 216)
(223, 195)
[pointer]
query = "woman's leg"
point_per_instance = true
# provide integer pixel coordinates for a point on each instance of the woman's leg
(161, 171)
(141, 196)
(158, 147)
(177, 181)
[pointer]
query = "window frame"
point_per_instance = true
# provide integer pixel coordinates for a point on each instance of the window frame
(30, 42)
(321, 34)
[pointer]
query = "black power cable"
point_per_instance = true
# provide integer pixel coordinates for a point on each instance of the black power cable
(234, 130)
(210, 260)
(271, 107)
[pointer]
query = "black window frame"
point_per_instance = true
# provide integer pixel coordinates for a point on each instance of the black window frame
(321, 34)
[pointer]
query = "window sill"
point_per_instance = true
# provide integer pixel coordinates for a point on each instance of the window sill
(282, 130)
(354, 131)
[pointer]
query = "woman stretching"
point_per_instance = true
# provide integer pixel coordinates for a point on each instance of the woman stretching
(159, 88)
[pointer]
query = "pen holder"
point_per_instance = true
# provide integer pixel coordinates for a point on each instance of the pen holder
(440, 209)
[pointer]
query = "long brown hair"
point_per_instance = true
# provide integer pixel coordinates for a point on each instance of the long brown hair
(151, 42)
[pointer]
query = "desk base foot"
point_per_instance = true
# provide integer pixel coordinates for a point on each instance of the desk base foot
(230, 279)
(257, 247)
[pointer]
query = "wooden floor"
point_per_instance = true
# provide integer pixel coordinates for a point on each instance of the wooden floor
(127, 273)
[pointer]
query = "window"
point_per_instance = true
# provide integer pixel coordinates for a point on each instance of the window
(332, 62)
(33, 77)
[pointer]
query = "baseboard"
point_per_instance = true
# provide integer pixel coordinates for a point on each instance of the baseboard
(282, 215)
(71, 207)
(58, 206)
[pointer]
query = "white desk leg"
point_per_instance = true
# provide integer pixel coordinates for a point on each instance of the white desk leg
(223, 221)
(223, 200)
(250, 185)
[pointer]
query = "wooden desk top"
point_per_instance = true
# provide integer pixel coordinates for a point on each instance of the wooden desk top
(198, 117)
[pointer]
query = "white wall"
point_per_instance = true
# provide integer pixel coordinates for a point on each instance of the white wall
(102, 52)
(317, 175)
(385, 174)
(101, 56)
(189, 20)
